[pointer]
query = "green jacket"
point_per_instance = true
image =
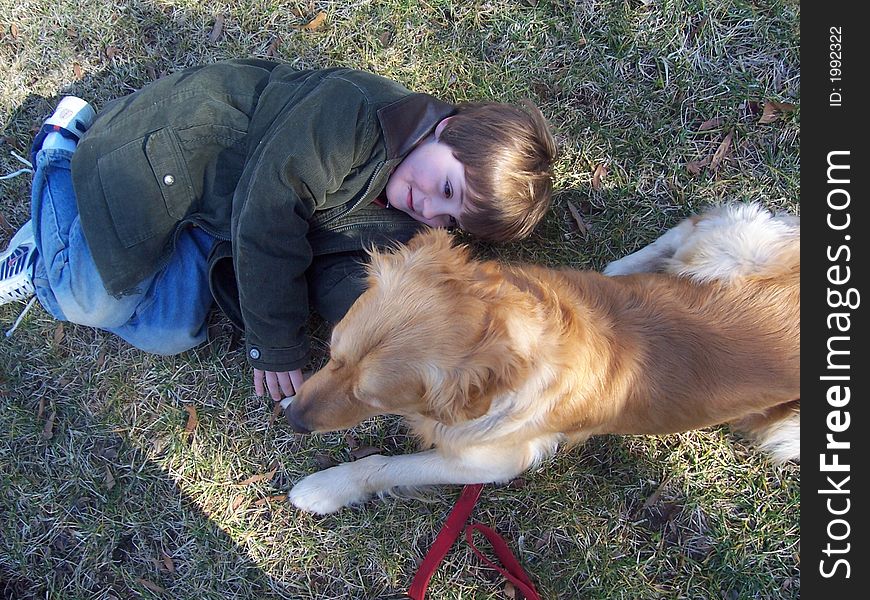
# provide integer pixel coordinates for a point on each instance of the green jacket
(281, 164)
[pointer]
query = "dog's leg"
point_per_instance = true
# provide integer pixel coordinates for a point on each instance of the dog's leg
(651, 258)
(352, 483)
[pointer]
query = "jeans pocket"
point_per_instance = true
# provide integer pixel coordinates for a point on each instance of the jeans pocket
(147, 186)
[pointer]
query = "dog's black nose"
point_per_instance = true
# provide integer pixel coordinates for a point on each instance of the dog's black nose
(294, 424)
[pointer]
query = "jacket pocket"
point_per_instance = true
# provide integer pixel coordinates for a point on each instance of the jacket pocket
(147, 186)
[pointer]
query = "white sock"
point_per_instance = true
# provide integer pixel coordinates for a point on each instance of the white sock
(55, 140)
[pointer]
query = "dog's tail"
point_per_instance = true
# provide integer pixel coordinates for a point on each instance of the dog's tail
(777, 431)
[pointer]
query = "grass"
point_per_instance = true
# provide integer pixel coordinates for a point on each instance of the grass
(104, 495)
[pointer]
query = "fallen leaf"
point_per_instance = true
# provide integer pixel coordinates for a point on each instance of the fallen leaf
(13, 30)
(276, 413)
(217, 29)
(109, 479)
(151, 586)
(168, 563)
(111, 52)
(77, 71)
(48, 429)
(654, 497)
(599, 174)
(58, 334)
(713, 123)
(773, 110)
(721, 151)
(272, 50)
(101, 358)
(192, 419)
(694, 167)
(578, 218)
(256, 478)
(324, 461)
(316, 22)
(41, 410)
(364, 451)
(267, 499)
(385, 38)
(509, 590)
(237, 502)
(351, 440)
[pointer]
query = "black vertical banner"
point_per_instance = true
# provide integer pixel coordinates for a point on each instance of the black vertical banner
(834, 228)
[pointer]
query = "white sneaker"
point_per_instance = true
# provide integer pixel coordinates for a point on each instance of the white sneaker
(71, 119)
(16, 266)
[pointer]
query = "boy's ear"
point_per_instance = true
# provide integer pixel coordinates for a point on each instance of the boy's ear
(440, 127)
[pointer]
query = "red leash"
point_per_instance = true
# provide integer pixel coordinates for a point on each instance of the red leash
(448, 534)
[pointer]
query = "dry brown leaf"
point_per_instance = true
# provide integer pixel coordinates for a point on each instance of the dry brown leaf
(13, 31)
(276, 413)
(578, 218)
(111, 52)
(78, 73)
(694, 167)
(385, 38)
(654, 497)
(721, 151)
(510, 591)
(364, 451)
(773, 110)
(316, 22)
(217, 29)
(272, 50)
(168, 563)
(268, 499)
(192, 419)
(256, 478)
(713, 123)
(109, 479)
(41, 410)
(599, 174)
(151, 586)
(58, 334)
(48, 428)
(237, 502)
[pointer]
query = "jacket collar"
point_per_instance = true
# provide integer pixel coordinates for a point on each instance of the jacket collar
(407, 121)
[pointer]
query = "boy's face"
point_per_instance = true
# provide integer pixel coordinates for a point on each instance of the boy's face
(429, 184)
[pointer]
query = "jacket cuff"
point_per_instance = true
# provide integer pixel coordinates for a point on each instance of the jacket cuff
(277, 359)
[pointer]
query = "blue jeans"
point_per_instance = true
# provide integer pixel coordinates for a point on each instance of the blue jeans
(167, 312)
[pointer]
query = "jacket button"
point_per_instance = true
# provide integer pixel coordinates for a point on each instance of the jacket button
(168, 179)
(254, 353)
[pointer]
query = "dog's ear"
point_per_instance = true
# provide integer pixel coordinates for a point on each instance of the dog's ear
(493, 365)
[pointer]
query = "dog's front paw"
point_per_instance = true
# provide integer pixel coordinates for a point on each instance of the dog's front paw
(327, 491)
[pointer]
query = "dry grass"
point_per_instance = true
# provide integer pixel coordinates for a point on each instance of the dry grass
(115, 496)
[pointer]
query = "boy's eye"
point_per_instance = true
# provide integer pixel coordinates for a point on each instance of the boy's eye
(448, 190)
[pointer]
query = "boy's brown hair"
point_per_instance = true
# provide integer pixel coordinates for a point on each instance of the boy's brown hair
(508, 156)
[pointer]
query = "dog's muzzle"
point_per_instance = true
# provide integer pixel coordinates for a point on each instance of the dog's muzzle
(287, 405)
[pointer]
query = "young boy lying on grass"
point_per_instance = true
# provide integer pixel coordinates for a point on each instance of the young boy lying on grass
(257, 186)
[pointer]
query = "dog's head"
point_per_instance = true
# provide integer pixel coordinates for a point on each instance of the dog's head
(428, 337)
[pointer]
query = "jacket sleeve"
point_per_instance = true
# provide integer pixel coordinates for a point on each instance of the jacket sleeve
(304, 154)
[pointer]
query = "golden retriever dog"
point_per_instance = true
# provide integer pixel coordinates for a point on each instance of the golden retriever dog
(493, 366)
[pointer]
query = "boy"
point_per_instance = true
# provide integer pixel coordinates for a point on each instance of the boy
(257, 186)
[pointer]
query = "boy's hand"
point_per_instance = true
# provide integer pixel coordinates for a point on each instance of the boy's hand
(280, 384)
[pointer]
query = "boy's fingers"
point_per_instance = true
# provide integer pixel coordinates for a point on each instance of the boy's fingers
(286, 384)
(258, 382)
(296, 379)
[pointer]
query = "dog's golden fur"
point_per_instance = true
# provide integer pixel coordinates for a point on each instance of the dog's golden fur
(494, 365)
